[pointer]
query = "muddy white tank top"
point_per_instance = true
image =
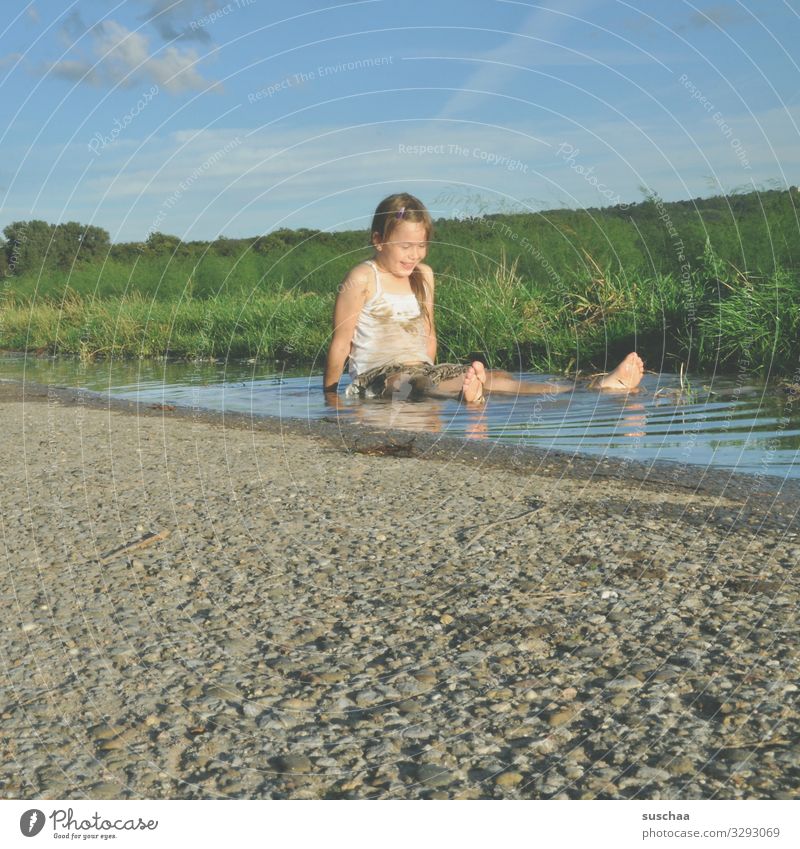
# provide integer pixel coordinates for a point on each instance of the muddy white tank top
(390, 328)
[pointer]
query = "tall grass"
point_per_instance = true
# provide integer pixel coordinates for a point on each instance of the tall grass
(559, 290)
(717, 317)
(277, 326)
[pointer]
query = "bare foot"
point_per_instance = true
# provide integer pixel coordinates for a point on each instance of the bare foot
(474, 379)
(626, 376)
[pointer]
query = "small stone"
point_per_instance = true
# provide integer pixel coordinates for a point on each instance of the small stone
(534, 646)
(505, 693)
(446, 619)
(508, 779)
(297, 704)
(366, 697)
(680, 766)
(667, 673)
(294, 764)
(624, 684)
(104, 731)
(545, 745)
(105, 790)
(471, 658)
(652, 773)
(561, 717)
(434, 776)
(590, 652)
(738, 756)
(221, 691)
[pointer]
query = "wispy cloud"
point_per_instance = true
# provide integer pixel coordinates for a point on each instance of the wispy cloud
(33, 13)
(123, 57)
(173, 19)
(9, 58)
(72, 28)
(720, 15)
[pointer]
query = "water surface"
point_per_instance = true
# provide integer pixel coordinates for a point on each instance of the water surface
(721, 422)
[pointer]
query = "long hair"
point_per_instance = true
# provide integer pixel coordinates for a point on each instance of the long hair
(388, 215)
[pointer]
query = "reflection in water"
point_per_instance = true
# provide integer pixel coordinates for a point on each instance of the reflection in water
(751, 428)
(636, 419)
(392, 414)
(432, 415)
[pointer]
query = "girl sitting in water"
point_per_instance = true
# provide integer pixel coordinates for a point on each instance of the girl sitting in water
(383, 321)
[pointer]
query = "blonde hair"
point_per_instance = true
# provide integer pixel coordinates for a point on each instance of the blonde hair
(391, 211)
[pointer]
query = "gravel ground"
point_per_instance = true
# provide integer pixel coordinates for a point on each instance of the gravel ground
(329, 613)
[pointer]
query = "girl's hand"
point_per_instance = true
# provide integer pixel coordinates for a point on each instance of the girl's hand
(332, 398)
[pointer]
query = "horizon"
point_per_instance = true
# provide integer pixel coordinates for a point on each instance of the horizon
(454, 219)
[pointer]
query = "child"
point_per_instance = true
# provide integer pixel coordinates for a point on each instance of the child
(383, 320)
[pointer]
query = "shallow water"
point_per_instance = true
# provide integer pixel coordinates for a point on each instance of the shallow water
(721, 422)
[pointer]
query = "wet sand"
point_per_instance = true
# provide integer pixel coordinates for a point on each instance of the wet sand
(332, 612)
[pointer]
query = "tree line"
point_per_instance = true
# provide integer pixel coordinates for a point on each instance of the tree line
(755, 231)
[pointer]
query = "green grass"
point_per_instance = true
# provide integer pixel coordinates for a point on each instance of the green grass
(715, 319)
(557, 291)
(278, 326)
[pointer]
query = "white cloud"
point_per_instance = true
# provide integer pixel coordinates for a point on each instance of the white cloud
(9, 59)
(33, 13)
(123, 57)
(77, 69)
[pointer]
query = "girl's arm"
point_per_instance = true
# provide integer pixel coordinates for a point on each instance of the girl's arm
(351, 298)
(427, 273)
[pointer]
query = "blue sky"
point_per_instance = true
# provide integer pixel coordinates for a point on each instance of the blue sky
(206, 117)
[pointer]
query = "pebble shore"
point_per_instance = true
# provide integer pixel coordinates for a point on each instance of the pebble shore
(333, 614)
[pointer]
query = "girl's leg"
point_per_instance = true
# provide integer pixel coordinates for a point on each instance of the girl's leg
(477, 380)
(503, 382)
(624, 378)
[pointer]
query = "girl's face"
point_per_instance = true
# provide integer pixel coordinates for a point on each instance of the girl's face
(405, 249)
